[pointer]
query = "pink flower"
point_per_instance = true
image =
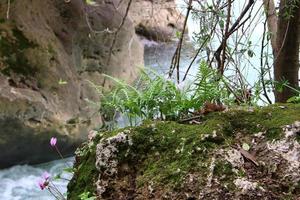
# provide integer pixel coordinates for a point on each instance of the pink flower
(53, 141)
(42, 184)
(46, 176)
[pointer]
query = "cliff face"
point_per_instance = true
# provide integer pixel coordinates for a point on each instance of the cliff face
(157, 20)
(238, 154)
(50, 51)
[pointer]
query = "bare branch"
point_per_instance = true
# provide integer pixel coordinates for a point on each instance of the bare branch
(176, 58)
(117, 31)
(227, 35)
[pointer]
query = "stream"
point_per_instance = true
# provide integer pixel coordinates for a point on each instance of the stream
(20, 182)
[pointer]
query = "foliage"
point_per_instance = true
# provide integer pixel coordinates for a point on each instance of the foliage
(155, 97)
(209, 86)
(86, 196)
(289, 9)
(296, 98)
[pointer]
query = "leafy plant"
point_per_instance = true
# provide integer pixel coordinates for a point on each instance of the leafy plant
(86, 196)
(296, 98)
(209, 86)
(154, 97)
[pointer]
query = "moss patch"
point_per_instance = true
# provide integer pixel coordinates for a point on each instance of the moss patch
(12, 51)
(85, 175)
(166, 153)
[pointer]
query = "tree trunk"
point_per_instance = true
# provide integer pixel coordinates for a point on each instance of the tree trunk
(286, 54)
(272, 20)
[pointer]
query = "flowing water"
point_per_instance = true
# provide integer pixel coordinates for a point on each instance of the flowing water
(21, 182)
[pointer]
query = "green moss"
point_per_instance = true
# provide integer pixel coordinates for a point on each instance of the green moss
(84, 177)
(222, 169)
(273, 133)
(269, 119)
(12, 50)
(164, 153)
(169, 150)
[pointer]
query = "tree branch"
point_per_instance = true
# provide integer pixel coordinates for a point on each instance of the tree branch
(176, 57)
(117, 31)
(233, 28)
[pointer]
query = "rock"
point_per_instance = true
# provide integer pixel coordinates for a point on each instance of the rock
(50, 51)
(144, 162)
(157, 20)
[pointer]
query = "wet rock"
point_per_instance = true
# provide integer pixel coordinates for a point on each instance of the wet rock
(50, 53)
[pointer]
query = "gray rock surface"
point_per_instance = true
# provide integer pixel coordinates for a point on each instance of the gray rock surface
(48, 56)
(50, 52)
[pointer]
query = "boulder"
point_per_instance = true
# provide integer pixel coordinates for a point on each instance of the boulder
(52, 55)
(157, 20)
(51, 52)
(242, 153)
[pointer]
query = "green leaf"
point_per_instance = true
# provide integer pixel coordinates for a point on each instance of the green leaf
(246, 146)
(221, 24)
(178, 34)
(69, 170)
(62, 82)
(86, 196)
(57, 177)
(91, 2)
(294, 99)
(250, 53)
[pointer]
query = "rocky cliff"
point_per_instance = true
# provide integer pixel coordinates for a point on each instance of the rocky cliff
(50, 52)
(157, 20)
(238, 154)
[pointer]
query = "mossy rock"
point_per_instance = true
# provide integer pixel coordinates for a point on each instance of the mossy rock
(168, 160)
(13, 45)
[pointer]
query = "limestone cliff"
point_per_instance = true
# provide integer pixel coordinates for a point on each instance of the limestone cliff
(157, 20)
(50, 51)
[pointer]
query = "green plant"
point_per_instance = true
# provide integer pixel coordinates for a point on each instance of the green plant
(279, 86)
(154, 97)
(151, 97)
(209, 86)
(296, 98)
(86, 196)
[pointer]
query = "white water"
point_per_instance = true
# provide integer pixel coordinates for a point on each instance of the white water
(20, 182)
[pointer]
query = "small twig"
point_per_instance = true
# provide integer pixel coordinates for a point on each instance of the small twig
(262, 65)
(198, 51)
(217, 53)
(247, 155)
(176, 57)
(283, 42)
(117, 31)
(190, 118)
(8, 9)
(225, 39)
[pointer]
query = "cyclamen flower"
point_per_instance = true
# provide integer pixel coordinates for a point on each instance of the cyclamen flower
(53, 141)
(42, 184)
(46, 176)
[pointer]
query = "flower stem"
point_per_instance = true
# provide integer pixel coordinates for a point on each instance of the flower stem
(61, 156)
